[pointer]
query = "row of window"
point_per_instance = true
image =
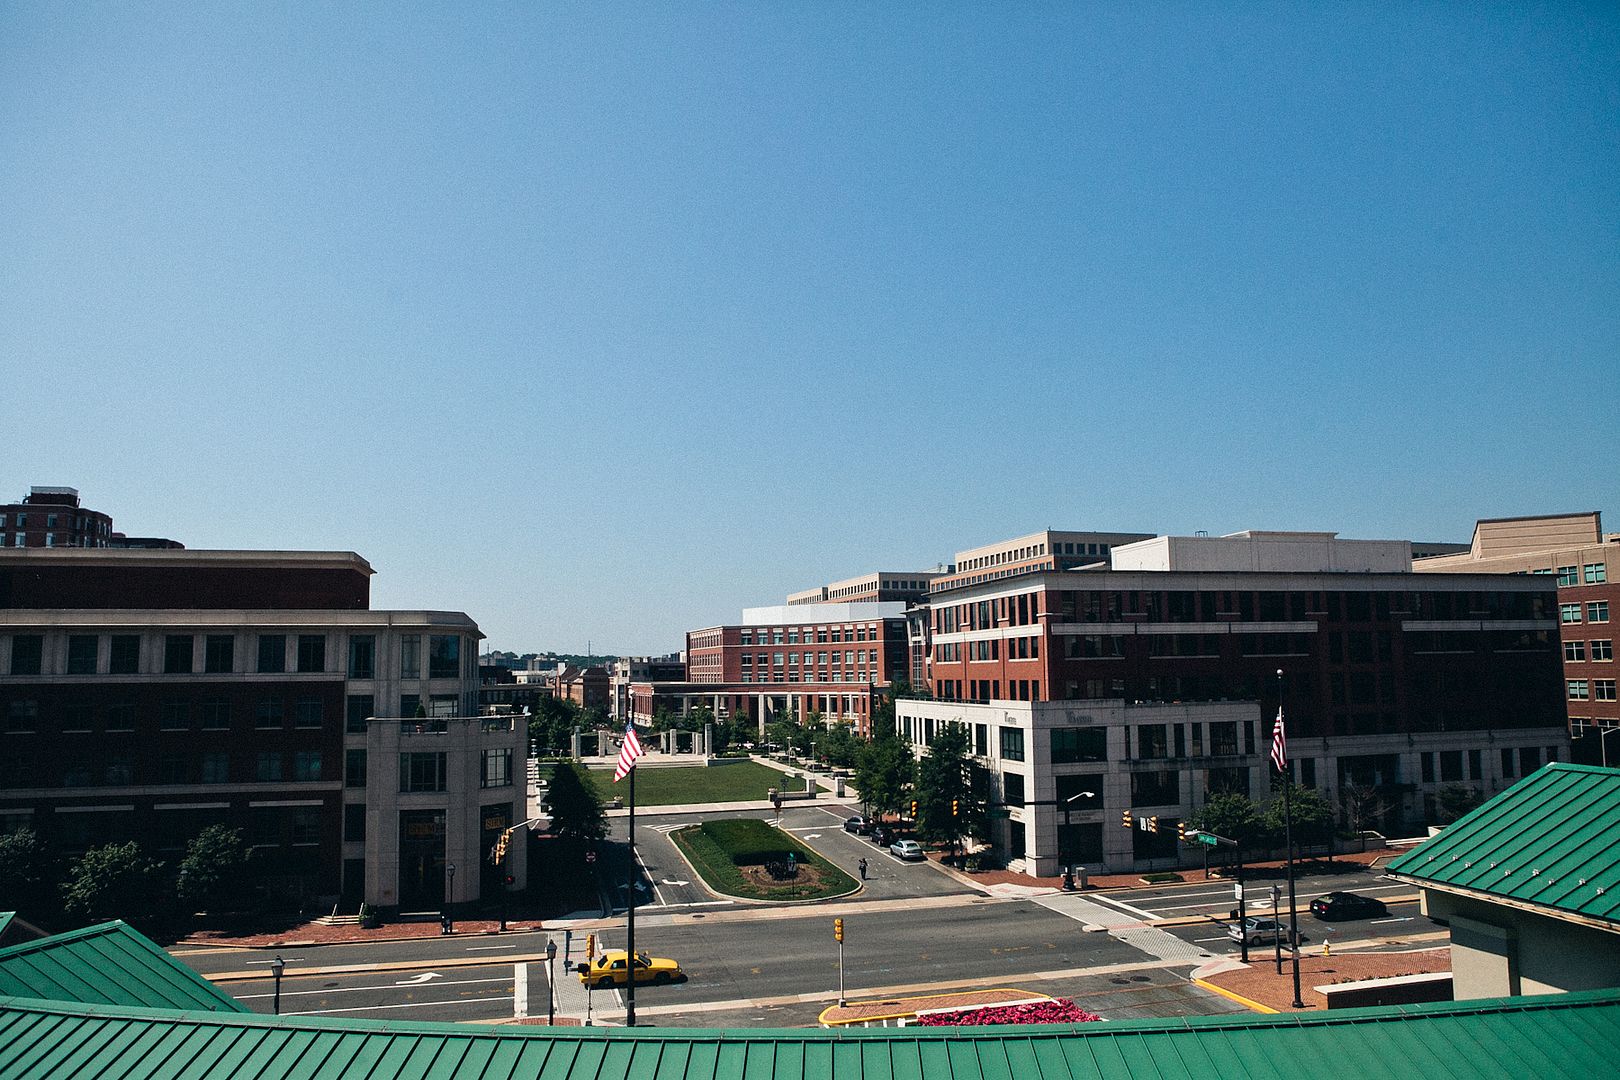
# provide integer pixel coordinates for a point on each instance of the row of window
(1602, 650)
(120, 654)
(777, 676)
(1597, 611)
(1585, 574)
(22, 715)
(847, 656)
(1020, 610)
(116, 768)
(1593, 690)
(820, 635)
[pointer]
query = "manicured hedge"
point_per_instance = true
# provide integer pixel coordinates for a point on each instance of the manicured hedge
(719, 866)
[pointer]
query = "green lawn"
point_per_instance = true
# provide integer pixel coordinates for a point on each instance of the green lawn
(745, 781)
(716, 848)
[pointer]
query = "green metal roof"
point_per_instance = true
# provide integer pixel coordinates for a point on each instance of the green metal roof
(1552, 840)
(107, 964)
(1567, 1035)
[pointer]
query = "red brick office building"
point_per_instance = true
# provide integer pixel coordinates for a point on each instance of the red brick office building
(51, 517)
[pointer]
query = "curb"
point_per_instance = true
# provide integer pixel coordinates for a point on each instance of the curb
(1247, 1003)
(311, 944)
(362, 969)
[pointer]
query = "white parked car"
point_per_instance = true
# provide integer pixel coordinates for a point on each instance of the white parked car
(906, 849)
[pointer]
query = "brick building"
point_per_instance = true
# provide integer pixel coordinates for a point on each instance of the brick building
(1395, 682)
(145, 694)
(53, 517)
(1573, 551)
(823, 658)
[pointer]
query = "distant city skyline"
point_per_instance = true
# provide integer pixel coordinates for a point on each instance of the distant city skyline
(604, 326)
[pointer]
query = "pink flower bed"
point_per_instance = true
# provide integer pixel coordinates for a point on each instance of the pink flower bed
(1061, 1011)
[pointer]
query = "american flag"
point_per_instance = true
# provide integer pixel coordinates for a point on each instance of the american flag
(628, 753)
(1279, 744)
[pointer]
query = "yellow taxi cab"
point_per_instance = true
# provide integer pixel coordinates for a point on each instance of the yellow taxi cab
(609, 970)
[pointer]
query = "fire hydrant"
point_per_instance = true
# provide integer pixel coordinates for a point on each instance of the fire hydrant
(1327, 949)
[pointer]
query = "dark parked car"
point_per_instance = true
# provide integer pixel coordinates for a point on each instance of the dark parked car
(858, 825)
(1347, 905)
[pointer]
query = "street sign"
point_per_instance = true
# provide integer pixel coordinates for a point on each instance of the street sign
(1237, 891)
(1206, 838)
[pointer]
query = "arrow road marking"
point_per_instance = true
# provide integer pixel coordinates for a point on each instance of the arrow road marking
(668, 881)
(426, 976)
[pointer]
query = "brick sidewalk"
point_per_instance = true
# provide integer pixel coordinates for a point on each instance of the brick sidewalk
(314, 933)
(1260, 983)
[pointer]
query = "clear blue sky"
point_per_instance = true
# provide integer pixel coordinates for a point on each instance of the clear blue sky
(602, 324)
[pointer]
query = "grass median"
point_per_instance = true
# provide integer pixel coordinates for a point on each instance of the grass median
(731, 856)
(746, 781)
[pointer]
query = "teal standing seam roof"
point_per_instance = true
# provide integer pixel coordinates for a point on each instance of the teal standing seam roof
(1575, 1036)
(107, 964)
(1551, 840)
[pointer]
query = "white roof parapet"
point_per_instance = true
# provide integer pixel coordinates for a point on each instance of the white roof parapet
(802, 614)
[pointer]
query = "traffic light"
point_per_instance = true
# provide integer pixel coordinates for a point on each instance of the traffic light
(954, 806)
(1181, 831)
(838, 931)
(913, 809)
(498, 856)
(1153, 823)
(1125, 818)
(510, 879)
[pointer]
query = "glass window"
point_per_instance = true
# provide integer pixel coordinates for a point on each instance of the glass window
(1151, 741)
(1574, 650)
(311, 652)
(124, 655)
(268, 713)
(1569, 575)
(421, 772)
(1597, 611)
(1070, 745)
(267, 767)
(1603, 689)
(1569, 613)
(308, 713)
(362, 656)
(1012, 789)
(22, 715)
(219, 654)
(357, 709)
(82, 649)
(1576, 688)
(354, 821)
(1595, 573)
(121, 717)
(174, 716)
(177, 650)
(1155, 789)
(306, 826)
(27, 653)
(1012, 744)
(497, 771)
(444, 656)
(1603, 650)
(307, 765)
(410, 656)
(77, 718)
(272, 653)
(216, 714)
(354, 768)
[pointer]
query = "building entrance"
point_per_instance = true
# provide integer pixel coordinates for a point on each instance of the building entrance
(421, 860)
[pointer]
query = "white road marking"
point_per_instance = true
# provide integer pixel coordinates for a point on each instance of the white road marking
(357, 990)
(1406, 918)
(489, 948)
(665, 881)
(379, 1008)
(417, 980)
(520, 990)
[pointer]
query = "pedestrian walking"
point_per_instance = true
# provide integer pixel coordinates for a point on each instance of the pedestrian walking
(862, 865)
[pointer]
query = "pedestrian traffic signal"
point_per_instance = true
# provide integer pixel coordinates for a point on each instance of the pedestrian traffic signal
(1153, 823)
(1125, 818)
(838, 931)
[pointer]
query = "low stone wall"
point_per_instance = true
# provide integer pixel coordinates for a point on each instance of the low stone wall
(1401, 990)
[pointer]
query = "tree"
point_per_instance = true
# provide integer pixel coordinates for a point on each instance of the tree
(211, 873)
(29, 870)
(576, 807)
(552, 725)
(1313, 817)
(946, 807)
(114, 881)
(1452, 801)
(1231, 815)
(837, 745)
(1361, 808)
(885, 769)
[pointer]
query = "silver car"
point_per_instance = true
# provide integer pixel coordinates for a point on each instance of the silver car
(906, 849)
(1260, 931)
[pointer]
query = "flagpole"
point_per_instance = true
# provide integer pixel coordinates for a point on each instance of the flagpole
(630, 924)
(1288, 838)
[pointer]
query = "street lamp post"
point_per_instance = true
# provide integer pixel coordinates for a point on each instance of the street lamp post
(551, 984)
(1068, 868)
(277, 966)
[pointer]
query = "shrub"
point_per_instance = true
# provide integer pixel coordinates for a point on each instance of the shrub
(1061, 1011)
(749, 841)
